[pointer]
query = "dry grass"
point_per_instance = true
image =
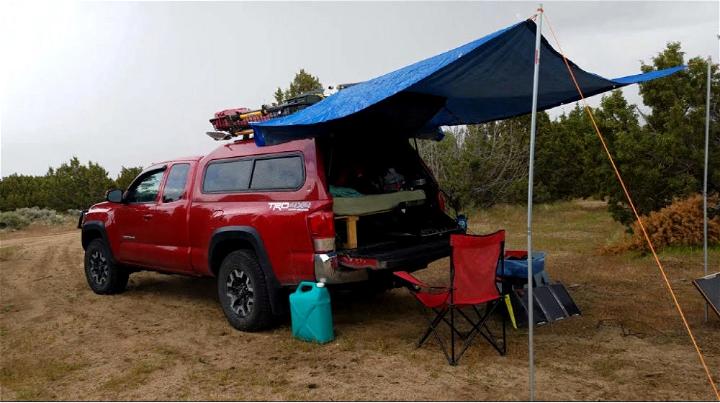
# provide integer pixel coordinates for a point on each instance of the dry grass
(8, 253)
(166, 338)
(38, 229)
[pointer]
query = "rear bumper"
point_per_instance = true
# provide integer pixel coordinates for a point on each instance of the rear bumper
(327, 270)
(395, 257)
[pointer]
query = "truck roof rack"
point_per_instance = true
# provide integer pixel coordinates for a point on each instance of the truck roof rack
(230, 123)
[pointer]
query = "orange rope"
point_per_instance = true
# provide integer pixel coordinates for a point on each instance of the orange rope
(637, 216)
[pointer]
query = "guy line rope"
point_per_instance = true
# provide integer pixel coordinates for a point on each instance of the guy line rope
(637, 216)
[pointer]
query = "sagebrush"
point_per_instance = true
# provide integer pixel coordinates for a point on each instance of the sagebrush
(25, 216)
(679, 224)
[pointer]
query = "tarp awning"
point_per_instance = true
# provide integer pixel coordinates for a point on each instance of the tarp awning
(485, 80)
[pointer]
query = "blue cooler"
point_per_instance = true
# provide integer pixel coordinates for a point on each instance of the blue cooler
(516, 266)
(311, 313)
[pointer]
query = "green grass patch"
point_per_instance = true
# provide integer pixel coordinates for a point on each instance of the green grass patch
(34, 379)
(136, 375)
(8, 253)
(609, 367)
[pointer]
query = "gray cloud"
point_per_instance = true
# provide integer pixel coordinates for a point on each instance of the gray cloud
(132, 83)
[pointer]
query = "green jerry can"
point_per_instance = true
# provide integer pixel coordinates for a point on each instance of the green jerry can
(311, 313)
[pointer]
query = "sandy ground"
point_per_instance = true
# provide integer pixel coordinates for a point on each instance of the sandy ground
(166, 338)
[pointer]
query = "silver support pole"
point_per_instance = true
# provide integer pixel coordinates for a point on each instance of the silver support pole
(705, 178)
(533, 128)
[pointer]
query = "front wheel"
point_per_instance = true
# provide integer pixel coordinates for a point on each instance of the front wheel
(103, 275)
(243, 293)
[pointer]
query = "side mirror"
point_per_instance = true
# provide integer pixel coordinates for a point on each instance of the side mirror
(114, 195)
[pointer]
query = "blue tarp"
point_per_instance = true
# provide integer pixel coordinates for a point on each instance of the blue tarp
(485, 80)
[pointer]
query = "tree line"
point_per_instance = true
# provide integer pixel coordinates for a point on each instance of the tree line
(71, 186)
(660, 154)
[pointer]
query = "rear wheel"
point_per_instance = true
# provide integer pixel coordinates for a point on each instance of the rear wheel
(103, 275)
(243, 292)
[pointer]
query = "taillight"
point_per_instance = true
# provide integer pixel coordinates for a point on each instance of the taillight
(322, 230)
(441, 201)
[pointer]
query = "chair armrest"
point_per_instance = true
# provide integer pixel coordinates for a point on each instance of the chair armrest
(410, 279)
(419, 284)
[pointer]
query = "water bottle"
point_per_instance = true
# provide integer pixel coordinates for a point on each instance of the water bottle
(311, 313)
(462, 221)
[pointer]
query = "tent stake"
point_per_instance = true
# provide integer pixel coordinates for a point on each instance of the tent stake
(533, 128)
(705, 179)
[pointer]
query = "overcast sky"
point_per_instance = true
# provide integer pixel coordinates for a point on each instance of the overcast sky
(132, 83)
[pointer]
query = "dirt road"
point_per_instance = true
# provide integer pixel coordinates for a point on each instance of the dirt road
(166, 338)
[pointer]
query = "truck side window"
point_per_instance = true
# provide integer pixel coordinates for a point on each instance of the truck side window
(284, 173)
(230, 176)
(146, 189)
(175, 184)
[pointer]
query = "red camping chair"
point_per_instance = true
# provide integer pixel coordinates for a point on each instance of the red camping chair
(473, 264)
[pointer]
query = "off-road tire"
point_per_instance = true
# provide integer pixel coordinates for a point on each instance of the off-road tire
(240, 279)
(103, 274)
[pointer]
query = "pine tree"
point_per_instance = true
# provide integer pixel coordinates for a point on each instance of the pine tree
(302, 82)
(126, 176)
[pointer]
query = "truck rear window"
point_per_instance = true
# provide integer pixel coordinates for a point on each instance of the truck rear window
(228, 176)
(280, 173)
(277, 173)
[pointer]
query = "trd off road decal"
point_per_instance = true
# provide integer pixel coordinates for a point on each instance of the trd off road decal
(289, 206)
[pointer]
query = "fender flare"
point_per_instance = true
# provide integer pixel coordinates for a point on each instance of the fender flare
(251, 236)
(98, 226)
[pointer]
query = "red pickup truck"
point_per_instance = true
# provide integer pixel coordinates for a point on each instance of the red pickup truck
(262, 219)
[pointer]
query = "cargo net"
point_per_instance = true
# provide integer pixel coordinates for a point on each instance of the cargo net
(233, 123)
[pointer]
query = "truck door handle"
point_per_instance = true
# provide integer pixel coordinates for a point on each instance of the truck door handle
(147, 216)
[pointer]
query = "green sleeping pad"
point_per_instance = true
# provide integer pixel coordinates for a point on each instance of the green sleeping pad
(372, 204)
